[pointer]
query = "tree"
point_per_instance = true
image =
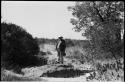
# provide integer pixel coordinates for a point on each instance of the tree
(18, 46)
(101, 23)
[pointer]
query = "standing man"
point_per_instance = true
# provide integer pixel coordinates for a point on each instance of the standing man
(60, 47)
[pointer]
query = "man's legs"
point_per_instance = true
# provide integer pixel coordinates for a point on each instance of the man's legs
(61, 58)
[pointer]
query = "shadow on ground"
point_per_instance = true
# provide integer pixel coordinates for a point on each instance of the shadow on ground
(65, 72)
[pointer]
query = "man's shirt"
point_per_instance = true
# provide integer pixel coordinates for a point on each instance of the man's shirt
(58, 45)
(61, 45)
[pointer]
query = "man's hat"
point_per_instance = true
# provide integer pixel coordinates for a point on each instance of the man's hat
(60, 37)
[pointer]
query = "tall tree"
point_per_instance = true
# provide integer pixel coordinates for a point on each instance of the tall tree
(101, 23)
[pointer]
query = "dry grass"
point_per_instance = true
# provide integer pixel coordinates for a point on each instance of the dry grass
(109, 71)
(105, 70)
(15, 77)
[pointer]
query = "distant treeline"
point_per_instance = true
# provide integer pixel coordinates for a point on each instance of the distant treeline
(69, 42)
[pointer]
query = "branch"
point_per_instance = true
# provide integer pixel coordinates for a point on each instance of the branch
(98, 13)
(108, 8)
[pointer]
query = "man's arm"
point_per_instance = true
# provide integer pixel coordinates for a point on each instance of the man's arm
(58, 45)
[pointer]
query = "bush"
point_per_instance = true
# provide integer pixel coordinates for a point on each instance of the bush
(109, 71)
(18, 46)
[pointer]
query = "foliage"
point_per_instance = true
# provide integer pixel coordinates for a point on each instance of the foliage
(18, 46)
(101, 22)
(109, 71)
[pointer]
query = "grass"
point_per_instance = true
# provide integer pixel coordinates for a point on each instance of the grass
(104, 64)
(9, 77)
(110, 71)
(106, 68)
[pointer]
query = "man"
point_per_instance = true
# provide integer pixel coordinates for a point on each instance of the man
(60, 47)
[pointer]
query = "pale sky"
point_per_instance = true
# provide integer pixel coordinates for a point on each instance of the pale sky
(42, 19)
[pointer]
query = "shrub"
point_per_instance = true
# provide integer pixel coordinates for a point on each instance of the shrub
(109, 71)
(18, 46)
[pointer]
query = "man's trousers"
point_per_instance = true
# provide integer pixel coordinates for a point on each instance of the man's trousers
(60, 55)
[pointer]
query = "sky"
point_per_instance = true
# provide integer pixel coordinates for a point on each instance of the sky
(42, 19)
